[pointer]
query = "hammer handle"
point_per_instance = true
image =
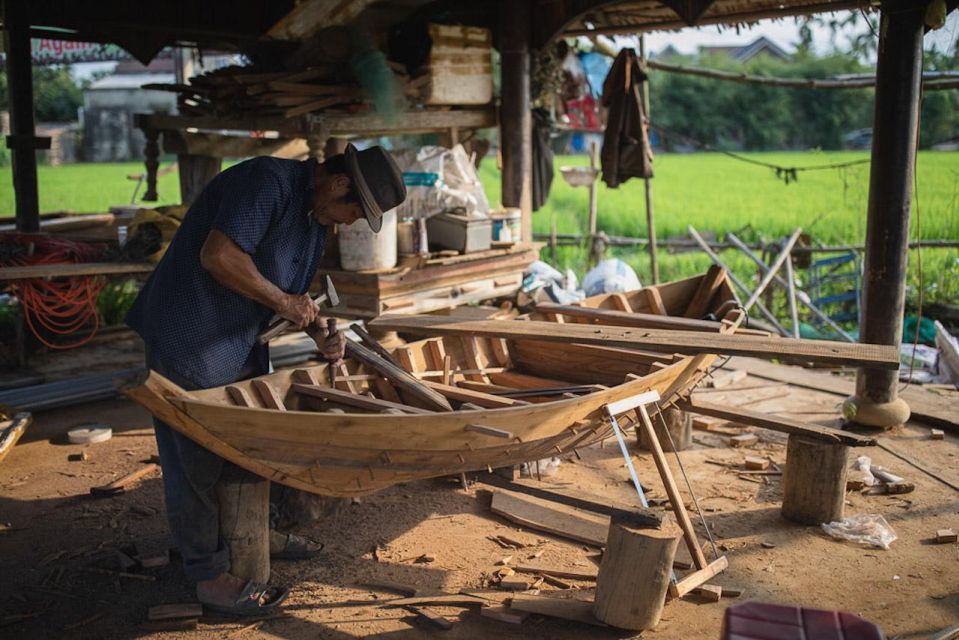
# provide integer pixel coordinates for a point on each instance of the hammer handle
(282, 324)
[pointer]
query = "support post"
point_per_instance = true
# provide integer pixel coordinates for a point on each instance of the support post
(151, 160)
(647, 182)
(894, 141)
(516, 123)
(814, 482)
(22, 140)
(634, 574)
(679, 426)
(195, 173)
(245, 522)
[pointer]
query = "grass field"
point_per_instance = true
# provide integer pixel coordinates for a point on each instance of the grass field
(713, 192)
(717, 194)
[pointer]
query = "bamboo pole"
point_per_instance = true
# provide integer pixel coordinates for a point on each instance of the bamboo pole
(650, 220)
(929, 84)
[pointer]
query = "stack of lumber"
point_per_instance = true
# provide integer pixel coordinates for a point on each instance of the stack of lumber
(249, 91)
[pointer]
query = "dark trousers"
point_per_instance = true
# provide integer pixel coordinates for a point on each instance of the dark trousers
(190, 474)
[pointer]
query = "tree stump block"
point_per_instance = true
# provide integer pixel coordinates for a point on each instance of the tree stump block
(814, 482)
(245, 522)
(635, 573)
(679, 424)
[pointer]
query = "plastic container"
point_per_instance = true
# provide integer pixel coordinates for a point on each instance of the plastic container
(363, 250)
(506, 225)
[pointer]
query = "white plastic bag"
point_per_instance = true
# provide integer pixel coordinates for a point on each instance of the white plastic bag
(440, 179)
(869, 529)
(861, 471)
(610, 276)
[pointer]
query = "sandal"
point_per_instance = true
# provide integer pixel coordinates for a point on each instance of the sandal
(295, 547)
(255, 600)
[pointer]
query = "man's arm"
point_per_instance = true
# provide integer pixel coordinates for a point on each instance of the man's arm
(232, 267)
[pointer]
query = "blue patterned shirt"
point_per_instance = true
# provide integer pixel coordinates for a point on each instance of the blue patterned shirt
(196, 326)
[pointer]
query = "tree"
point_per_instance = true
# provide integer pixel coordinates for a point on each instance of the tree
(56, 97)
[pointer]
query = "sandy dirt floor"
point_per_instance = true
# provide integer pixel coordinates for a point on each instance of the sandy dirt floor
(54, 538)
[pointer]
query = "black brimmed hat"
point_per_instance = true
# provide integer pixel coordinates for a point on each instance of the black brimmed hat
(377, 180)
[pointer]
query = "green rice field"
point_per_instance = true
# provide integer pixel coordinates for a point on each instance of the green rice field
(711, 191)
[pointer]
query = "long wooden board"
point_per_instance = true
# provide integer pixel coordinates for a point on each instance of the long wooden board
(397, 375)
(926, 407)
(73, 269)
(565, 608)
(572, 498)
(686, 342)
(353, 400)
(565, 522)
(627, 319)
(784, 425)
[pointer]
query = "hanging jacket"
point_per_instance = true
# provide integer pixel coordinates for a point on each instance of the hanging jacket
(626, 150)
(542, 158)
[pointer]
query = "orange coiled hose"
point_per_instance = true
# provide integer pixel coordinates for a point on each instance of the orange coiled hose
(57, 307)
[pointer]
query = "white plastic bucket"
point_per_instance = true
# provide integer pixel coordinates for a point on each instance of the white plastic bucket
(363, 250)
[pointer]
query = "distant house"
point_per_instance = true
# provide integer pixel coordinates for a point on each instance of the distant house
(760, 47)
(110, 102)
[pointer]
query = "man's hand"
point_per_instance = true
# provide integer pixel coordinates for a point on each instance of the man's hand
(332, 347)
(300, 310)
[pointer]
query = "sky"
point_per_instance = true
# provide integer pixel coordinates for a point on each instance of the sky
(785, 33)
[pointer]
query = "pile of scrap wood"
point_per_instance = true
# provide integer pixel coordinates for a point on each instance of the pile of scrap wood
(247, 91)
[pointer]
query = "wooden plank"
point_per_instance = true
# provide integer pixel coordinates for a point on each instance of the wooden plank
(11, 431)
(585, 574)
(587, 364)
(239, 396)
(635, 319)
(708, 286)
(471, 351)
(486, 400)
(565, 522)
(925, 406)
(655, 301)
(362, 402)
(575, 498)
(687, 342)
(397, 376)
(268, 394)
(120, 484)
(522, 381)
(564, 608)
(490, 431)
(773, 423)
(81, 269)
(621, 303)
(698, 578)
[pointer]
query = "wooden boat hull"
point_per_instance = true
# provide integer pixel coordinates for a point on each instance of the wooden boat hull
(352, 453)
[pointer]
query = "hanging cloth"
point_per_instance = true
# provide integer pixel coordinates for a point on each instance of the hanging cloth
(542, 158)
(626, 150)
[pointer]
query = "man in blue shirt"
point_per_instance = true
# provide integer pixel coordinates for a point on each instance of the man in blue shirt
(247, 249)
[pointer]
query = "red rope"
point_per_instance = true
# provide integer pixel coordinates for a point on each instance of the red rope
(61, 306)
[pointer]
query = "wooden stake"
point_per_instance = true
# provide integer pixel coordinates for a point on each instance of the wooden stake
(634, 574)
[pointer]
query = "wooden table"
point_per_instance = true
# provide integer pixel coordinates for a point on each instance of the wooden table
(440, 283)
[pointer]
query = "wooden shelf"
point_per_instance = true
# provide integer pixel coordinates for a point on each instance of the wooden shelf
(327, 124)
(78, 269)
